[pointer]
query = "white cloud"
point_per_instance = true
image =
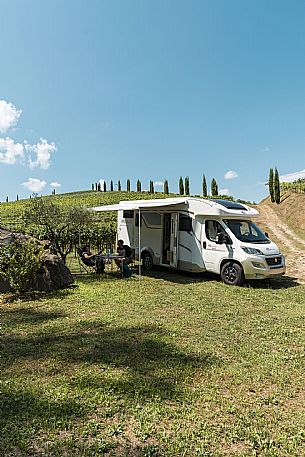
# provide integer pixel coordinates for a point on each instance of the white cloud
(9, 115)
(230, 174)
(34, 184)
(223, 191)
(10, 151)
(55, 184)
(159, 183)
(42, 151)
(101, 181)
(290, 177)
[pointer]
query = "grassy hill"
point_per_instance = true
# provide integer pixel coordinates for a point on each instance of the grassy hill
(291, 210)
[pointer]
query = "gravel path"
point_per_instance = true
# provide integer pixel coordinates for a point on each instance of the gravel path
(292, 245)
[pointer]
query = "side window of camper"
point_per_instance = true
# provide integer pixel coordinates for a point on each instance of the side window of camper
(185, 223)
(152, 219)
(127, 214)
(212, 228)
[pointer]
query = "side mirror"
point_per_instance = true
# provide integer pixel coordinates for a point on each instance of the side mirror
(223, 238)
(266, 234)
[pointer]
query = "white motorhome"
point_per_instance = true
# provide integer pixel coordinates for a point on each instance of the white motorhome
(196, 234)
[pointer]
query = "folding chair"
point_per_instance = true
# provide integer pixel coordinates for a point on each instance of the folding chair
(82, 266)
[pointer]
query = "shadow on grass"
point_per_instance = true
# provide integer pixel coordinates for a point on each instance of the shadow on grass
(283, 282)
(28, 316)
(136, 364)
(151, 366)
(183, 277)
(38, 296)
(179, 277)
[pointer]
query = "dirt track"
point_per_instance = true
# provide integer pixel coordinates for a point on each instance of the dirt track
(291, 244)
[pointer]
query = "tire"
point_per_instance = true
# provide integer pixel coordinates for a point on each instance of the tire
(147, 261)
(232, 274)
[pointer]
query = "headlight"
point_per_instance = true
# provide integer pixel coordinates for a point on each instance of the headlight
(251, 250)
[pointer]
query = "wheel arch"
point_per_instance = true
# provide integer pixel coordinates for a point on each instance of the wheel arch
(147, 250)
(230, 260)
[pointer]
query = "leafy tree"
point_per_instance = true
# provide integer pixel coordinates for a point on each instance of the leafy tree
(20, 261)
(271, 184)
(119, 186)
(204, 187)
(214, 188)
(151, 187)
(128, 185)
(61, 225)
(111, 186)
(105, 186)
(187, 185)
(277, 190)
(181, 186)
(166, 188)
(139, 186)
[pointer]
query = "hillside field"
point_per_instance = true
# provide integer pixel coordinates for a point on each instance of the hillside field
(11, 213)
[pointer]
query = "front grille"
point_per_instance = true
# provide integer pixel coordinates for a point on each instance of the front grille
(274, 261)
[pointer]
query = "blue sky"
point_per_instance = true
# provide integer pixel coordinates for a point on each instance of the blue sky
(142, 89)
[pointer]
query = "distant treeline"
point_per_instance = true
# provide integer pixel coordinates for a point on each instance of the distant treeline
(183, 186)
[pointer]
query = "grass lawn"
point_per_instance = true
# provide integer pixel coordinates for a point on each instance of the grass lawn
(176, 366)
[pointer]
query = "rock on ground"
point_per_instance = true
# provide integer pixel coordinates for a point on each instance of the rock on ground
(53, 274)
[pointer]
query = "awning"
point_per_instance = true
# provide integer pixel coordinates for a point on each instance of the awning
(141, 204)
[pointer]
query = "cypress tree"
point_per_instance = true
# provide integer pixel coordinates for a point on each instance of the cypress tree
(181, 186)
(92, 186)
(17, 198)
(6, 199)
(214, 188)
(204, 187)
(128, 185)
(151, 187)
(119, 186)
(166, 188)
(277, 190)
(111, 186)
(98, 186)
(271, 185)
(187, 185)
(139, 186)
(105, 186)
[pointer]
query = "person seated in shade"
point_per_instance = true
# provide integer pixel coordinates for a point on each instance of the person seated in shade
(92, 260)
(126, 251)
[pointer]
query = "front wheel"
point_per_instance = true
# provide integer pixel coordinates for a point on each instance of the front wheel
(232, 274)
(147, 261)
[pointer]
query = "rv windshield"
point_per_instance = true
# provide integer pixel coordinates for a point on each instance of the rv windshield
(246, 231)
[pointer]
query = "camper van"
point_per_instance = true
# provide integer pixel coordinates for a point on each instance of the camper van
(197, 235)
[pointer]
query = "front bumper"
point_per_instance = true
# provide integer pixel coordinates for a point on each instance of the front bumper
(256, 267)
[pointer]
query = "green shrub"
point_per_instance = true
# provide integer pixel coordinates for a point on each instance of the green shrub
(19, 262)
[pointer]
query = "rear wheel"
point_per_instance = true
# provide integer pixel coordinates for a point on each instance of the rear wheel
(147, 261)
(232, 274)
